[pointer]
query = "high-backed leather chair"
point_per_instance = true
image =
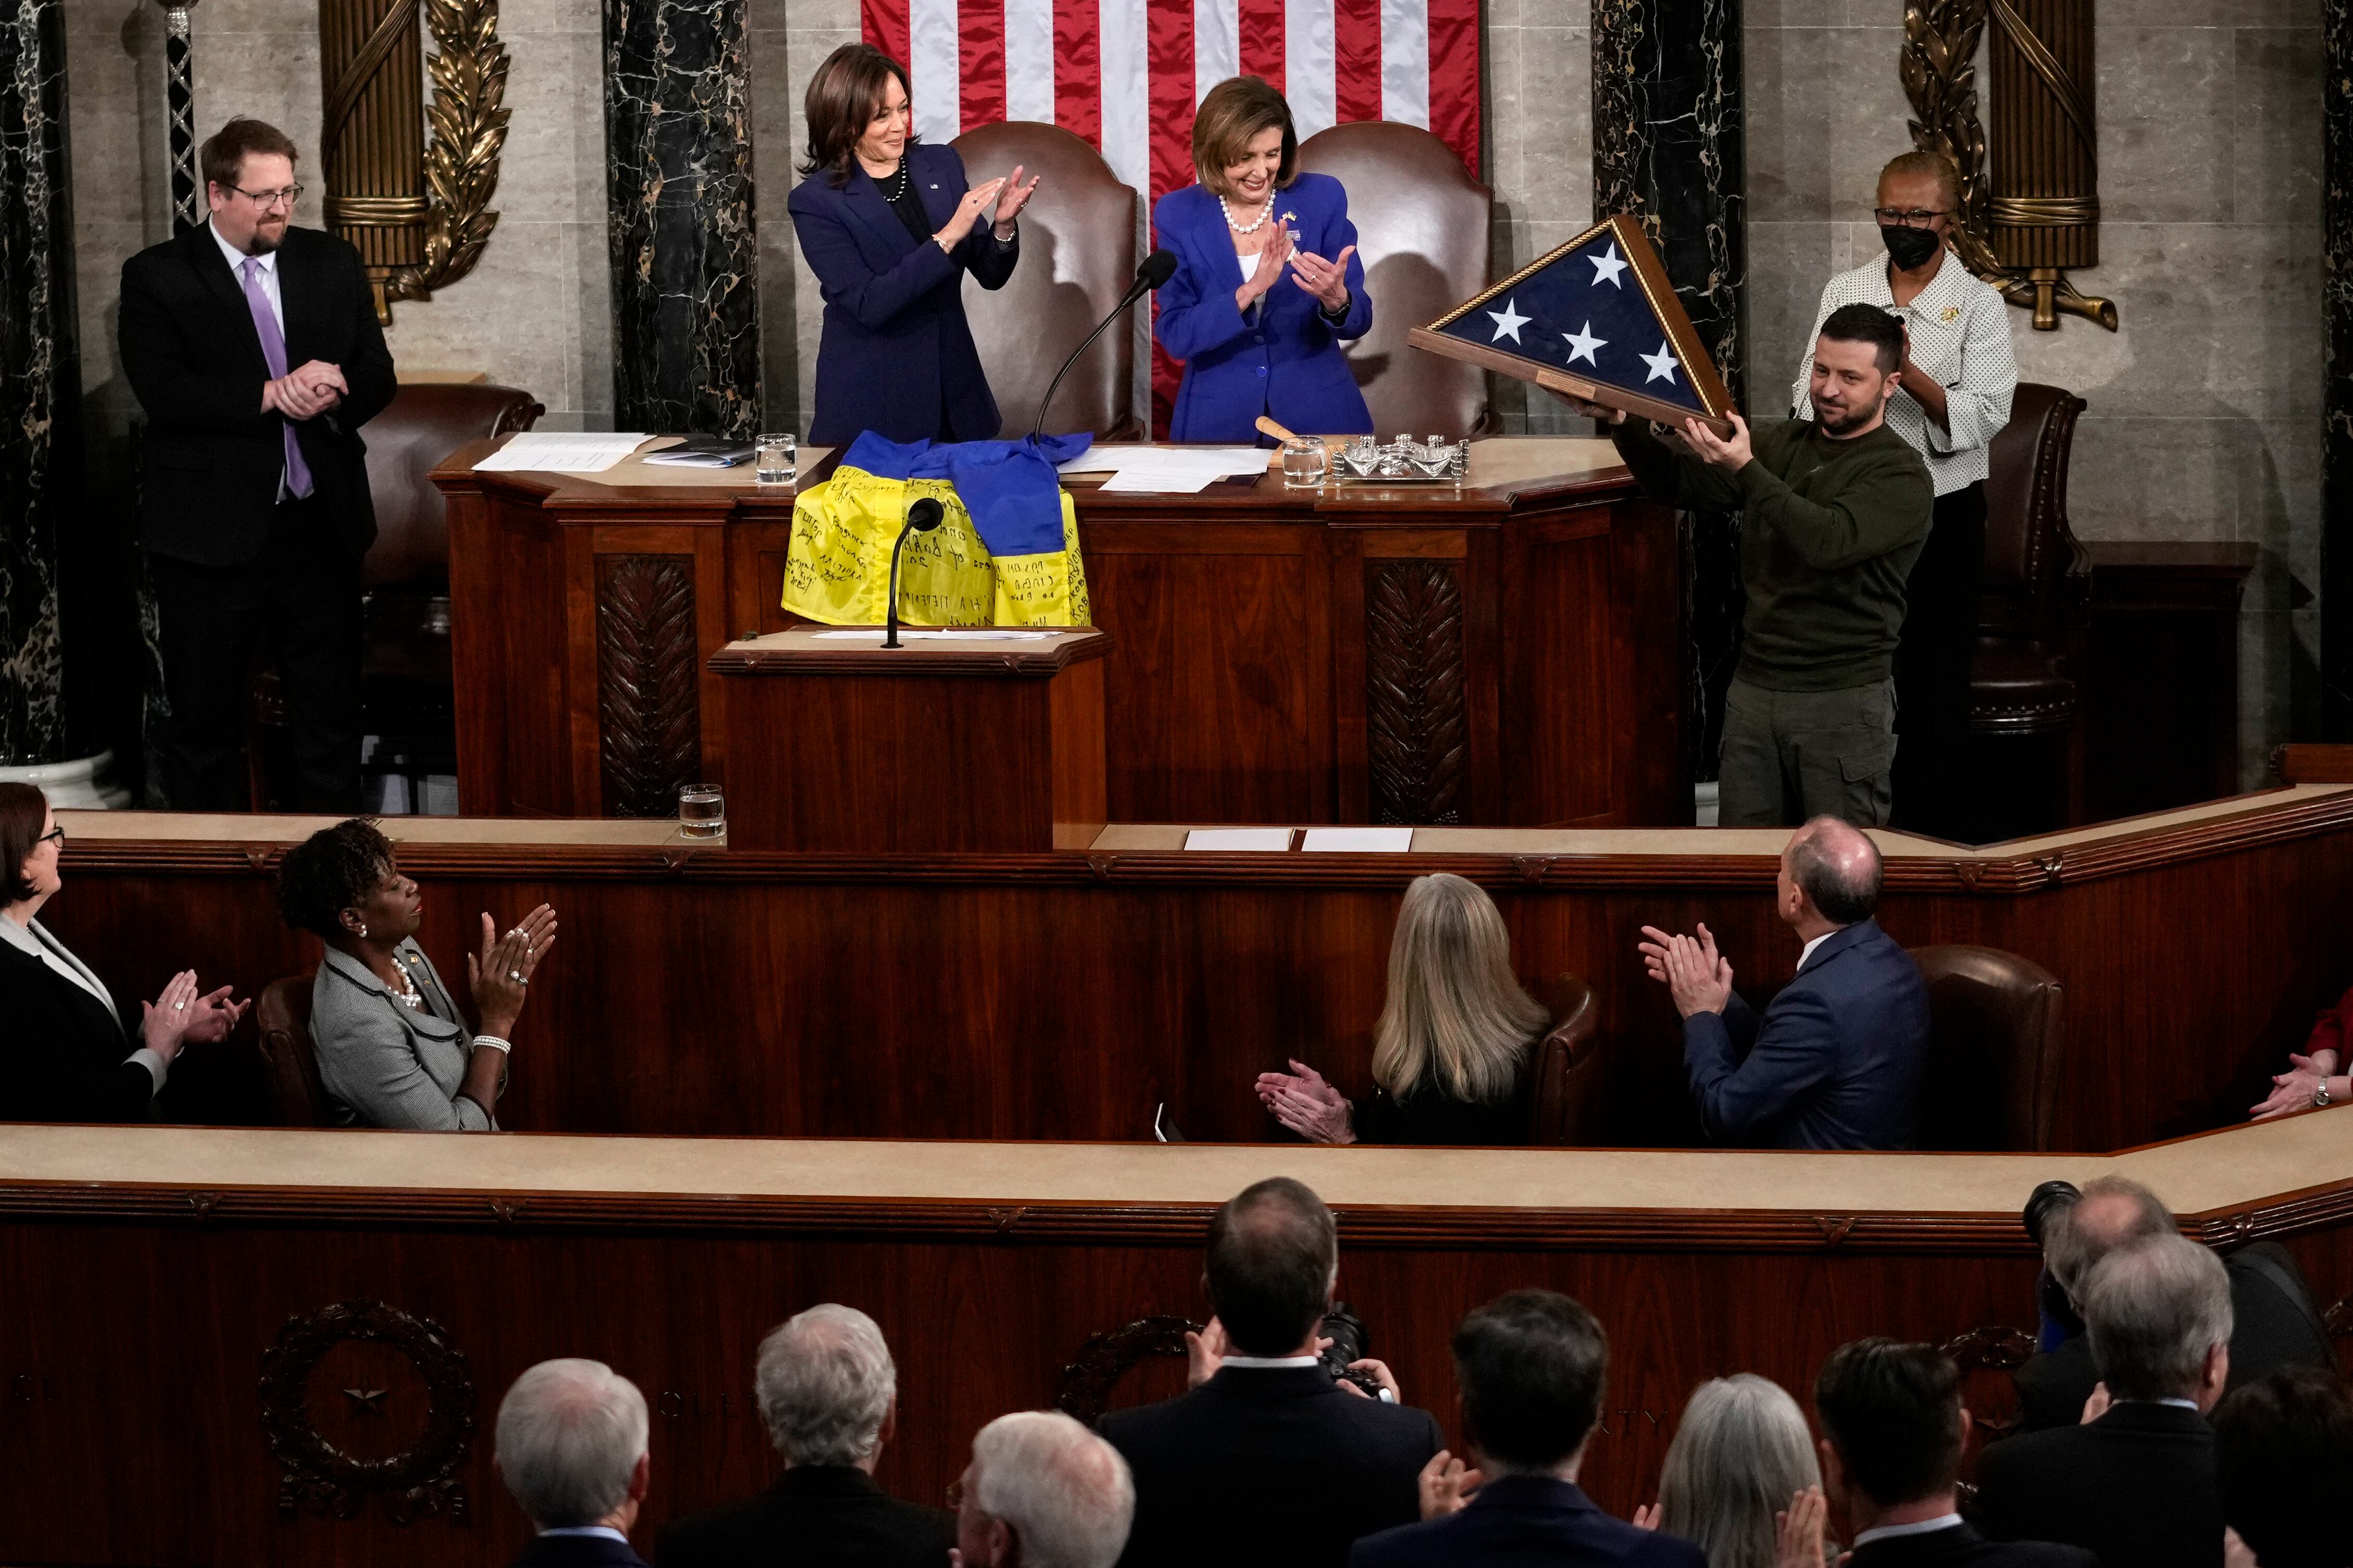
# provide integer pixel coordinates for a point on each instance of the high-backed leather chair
(2031, 620)
(405, 670)
(1421, 232)
(1995, 1044)
(1570, 1071)
(1078, 256)
(289, 1061)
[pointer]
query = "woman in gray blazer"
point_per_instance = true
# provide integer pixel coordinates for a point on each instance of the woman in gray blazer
(394, 1049)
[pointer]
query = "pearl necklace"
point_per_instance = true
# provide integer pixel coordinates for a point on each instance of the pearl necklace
(1247, 229)
(904, 174)
(408, 996)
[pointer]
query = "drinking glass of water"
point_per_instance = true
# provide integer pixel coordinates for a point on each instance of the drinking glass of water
(1304, 462)
(779, 457)
(702, 812)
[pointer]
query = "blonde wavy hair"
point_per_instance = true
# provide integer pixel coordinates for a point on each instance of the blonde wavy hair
(1456, 1018)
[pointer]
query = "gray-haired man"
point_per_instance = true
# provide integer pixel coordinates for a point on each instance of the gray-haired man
(572, 1449)
(830, 1394)
(2136, 1481)
(1042, 1492)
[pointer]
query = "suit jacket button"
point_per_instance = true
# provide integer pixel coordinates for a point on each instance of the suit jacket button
(1261, 370)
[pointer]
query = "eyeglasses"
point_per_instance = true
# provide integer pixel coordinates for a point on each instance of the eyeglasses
(56, 836)
(1918, 218)
(265, 200)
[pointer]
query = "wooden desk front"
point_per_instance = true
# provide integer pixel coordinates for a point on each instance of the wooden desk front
(1064, 996)
(1505, 654)
(149, 1272)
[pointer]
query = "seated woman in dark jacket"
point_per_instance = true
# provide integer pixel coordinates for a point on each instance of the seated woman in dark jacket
(1450, 1058)
(69, 1055)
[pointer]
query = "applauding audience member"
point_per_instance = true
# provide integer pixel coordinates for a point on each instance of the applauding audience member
(1530, 1365)
(1893, 1433)
(72, 1056)
(2274, 1322)
(394, 1049)
(572, 1448)
(2135, 1482)
(1836, 1061)
(1740, 1476)
(1041, 1491)
(830, 1394)
(2283, 1448)
(2313, 1077)
(1451, 1057)
(1268, 1459)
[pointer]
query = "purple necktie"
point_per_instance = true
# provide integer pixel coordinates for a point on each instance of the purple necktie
(273, 353)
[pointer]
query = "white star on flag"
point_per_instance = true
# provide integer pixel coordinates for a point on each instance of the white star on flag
(1581, 344)
(1508, 322)
(1662, 365)
(1607, 266)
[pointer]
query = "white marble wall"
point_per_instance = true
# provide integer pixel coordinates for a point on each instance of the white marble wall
(535, 311)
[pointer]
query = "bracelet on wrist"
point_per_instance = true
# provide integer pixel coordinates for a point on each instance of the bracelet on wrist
(494, 1042)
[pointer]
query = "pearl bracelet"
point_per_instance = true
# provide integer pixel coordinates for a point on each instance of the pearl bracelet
(494, 1043)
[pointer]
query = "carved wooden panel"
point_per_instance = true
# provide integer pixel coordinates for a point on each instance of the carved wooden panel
(648, 716)
(1414, 702)
(423, 1415)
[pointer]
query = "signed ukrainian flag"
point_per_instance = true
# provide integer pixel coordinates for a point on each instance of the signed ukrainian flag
(1005, 555)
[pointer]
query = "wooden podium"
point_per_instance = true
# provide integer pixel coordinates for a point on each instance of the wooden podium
(978, 741)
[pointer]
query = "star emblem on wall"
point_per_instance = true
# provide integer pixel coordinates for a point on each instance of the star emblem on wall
(1608, 266)
(366, 1401)
(1508, 322)
(1662, 365)
(1582, 343)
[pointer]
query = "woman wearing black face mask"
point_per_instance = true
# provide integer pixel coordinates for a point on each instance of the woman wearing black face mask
(1953, 398)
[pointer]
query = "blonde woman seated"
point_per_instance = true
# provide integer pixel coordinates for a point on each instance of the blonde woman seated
(1452, 1053)
(1741, 1481)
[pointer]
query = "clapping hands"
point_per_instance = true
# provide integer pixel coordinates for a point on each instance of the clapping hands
(1694, 974)
(180, 1017)
(1327, 280)
(2294, 1090)
(1310, 1107)
(1015, 197)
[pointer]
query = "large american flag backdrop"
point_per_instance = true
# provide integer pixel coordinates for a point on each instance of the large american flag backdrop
(1125, 74)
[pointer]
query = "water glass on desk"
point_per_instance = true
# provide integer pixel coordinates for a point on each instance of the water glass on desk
(778, 458)
(702, 812)
(1304, 463)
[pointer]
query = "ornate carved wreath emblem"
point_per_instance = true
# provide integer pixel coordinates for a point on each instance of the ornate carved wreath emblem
(321, 1478)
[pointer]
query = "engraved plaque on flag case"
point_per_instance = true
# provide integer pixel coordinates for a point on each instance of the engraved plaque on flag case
(1595, 319)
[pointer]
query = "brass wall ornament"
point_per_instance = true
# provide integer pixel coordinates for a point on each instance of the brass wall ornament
(418, 213)
(2031, 212)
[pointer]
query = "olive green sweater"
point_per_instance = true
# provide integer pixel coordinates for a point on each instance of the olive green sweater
(1831, 530)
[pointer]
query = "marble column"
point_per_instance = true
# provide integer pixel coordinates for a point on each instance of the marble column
(678, 142)
(2337, 306)
(41, 378)
(1668, 146)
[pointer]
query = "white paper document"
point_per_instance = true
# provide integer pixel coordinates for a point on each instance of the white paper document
(1359, 840)
(1261, 838)
(1132, 482)
(1176, 469)
(563, 451)
(951, 633)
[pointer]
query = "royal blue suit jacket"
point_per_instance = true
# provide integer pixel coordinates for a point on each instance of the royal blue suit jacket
(1835, 1062)
(897, 357)
(1524, 1522)
(1284, 359)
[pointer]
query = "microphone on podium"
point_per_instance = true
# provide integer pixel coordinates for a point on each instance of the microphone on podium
(1156, 268)
(922, 518)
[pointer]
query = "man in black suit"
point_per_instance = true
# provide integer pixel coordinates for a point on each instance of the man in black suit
(2136, 1481)
(572, 1449)
(829, 1394)
(1268, 1459)
(1837, 1059)
(2283, 1448)
(254, 348)
(1042, 1491)
(1530, 1365)
(2274, 1322)
(1894, 1430)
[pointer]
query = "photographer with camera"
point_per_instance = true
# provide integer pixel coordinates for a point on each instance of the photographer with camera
(2276, 1324)
(1277, 1455)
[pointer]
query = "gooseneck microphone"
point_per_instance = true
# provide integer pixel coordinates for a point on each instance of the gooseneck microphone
(922, 518)
(1156, 268)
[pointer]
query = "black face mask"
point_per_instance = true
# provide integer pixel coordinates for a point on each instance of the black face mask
(1909, 247)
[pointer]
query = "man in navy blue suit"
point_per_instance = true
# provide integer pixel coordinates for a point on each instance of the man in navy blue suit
(1836, 1060)
(1530, 1366)
(572, 1448)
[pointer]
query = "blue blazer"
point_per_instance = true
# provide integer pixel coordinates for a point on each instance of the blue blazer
(1285, 359)
(1836, 1061)
(897, 357)
(1524, 1522)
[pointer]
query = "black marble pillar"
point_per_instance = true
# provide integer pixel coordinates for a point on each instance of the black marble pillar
(1668, 146)
(40, 377)
(2336, 450)
(678, 143)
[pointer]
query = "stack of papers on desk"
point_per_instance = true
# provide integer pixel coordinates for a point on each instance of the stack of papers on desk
(983, 633)
(1168, 471)
(562, 451)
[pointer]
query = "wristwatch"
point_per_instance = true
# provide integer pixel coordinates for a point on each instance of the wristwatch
(2320, 1096)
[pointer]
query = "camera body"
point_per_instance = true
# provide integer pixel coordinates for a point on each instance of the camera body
(1350, 1342)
